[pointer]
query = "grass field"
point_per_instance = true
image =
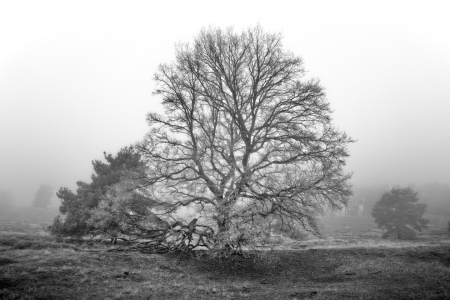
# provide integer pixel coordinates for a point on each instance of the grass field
(351, 262)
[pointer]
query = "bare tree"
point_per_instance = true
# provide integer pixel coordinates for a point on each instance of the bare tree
(244, 137)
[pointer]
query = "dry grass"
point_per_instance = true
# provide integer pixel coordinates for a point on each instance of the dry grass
(39, 267)
(64, 273)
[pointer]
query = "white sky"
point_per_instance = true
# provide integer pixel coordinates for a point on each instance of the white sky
(76, 79)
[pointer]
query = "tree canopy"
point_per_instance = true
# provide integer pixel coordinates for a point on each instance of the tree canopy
(435, 195)
(399, 213)
(78, 206)
(244, 137)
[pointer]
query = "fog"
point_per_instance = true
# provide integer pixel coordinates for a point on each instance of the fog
(76, 80)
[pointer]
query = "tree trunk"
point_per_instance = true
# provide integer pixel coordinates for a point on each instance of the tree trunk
(223, 222)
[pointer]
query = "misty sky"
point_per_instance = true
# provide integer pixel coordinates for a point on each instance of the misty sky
(76, 79)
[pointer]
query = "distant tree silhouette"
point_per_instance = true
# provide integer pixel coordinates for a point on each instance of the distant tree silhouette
(399, 213)
(6, 199)
(43, 196)
(353, 207)
(437, 197)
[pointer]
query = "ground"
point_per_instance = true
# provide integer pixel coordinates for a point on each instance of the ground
(352, 262)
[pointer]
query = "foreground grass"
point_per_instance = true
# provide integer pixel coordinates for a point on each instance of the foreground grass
(33, 267)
